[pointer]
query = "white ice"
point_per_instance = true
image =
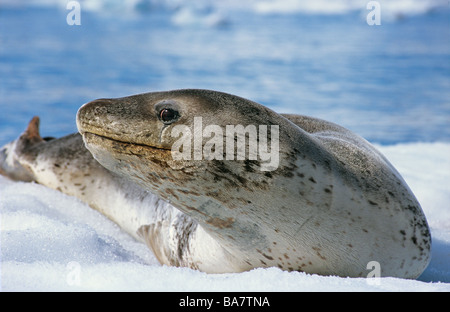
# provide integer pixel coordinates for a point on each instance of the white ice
(53, 242)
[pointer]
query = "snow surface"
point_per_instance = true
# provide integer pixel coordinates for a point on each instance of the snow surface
(53, 242)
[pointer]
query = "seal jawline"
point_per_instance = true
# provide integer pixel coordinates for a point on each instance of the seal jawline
(88, 137)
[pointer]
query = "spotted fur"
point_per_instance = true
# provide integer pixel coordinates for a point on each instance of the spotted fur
(333, 204)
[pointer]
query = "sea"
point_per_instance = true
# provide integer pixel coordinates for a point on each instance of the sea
(379, 68)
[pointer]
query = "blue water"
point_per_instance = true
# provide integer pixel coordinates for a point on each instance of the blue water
(389, 83)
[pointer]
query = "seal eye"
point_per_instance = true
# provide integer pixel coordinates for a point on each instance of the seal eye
(168, 115)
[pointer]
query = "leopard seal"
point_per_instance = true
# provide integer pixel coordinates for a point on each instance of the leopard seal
(331, 206)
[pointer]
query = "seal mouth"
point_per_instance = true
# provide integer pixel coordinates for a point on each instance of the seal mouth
(98, 139)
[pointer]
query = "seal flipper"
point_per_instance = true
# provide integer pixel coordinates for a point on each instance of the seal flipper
(31, 134)
(11, 154)
(153, 237)
(170, 240)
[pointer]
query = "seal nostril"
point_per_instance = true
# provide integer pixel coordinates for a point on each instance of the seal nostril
(94, 108)
(99, 110)
(97, 107)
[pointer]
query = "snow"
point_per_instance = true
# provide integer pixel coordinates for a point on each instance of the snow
(53, 242)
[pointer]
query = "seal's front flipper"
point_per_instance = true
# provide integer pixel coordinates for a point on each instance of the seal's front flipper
(12, 154)
(154, 236)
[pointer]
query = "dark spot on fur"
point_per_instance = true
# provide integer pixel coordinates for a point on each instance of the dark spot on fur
(372, 203)
(288, 174)
(312, 180)
(188, 192)
(317, 250)
(222, 172)
(219, 223)
(414, 209)
(241, 180)
(172, 193)
(248, 165)
(266, 256)
(327, 190)
(220, 166)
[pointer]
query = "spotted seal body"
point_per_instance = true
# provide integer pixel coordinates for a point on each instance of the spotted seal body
(332, 205)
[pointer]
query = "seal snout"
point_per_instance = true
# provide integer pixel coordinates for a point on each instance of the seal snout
(92, 112)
